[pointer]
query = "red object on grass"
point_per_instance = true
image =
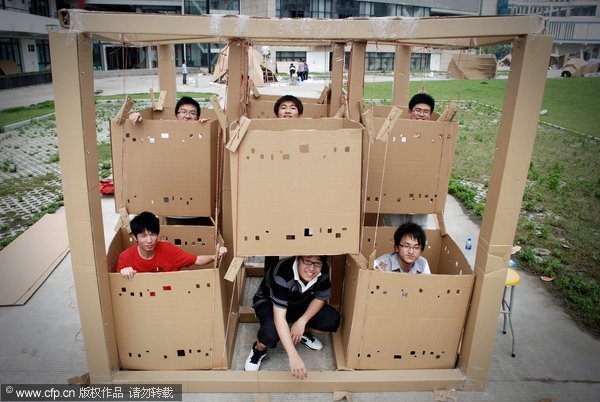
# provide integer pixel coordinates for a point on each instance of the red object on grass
(107, 187)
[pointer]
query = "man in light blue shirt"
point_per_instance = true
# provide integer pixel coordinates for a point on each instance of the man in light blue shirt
(409, 243)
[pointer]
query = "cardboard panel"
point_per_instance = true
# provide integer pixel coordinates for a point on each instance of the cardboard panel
(23, 271)
(410, 172)
(165, 320)
(296, 187)
(263, 109)
(405, 321)
(413, 321)
(167, 167)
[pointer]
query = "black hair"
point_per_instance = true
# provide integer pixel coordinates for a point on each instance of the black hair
(186, 100)
(286, 98)
(421, 98)
(412, 230)
(145, 221)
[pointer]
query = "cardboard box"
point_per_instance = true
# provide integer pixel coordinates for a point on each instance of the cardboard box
(165, 165)
(409, 173)
(316, 165)
(171, 320)
(397, 321)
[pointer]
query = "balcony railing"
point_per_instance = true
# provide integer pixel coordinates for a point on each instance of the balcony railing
(574, 30)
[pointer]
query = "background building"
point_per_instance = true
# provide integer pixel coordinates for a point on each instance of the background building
(25, 58)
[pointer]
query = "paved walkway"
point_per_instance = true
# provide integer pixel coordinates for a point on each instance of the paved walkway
(41, 341)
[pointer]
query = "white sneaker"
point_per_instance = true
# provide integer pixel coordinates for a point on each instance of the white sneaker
(311, 342)
(254, 359)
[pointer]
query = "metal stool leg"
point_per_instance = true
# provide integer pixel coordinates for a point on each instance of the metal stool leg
(507, 311)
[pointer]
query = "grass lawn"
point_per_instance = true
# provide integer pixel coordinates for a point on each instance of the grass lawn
(581, 116)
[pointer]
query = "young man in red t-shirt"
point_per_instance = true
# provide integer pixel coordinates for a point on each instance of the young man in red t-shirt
(152, 255)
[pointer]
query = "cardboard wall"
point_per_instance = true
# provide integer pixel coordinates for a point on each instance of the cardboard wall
(167, 167)
(316, 165)
(410, 172)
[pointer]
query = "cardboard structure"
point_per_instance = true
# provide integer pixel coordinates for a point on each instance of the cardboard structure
(260, 72)
(472, 67)
(71, 51)
(172, 320)
(393, 321)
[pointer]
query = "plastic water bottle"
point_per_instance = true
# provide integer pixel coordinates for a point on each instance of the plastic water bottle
(512, 263)
(469, 244)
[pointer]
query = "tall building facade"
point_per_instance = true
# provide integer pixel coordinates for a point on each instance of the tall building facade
(574, 24)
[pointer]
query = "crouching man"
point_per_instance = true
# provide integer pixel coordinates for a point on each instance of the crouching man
(290, 302)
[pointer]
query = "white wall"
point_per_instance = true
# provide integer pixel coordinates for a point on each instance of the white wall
(318, 61)
(435, 62)
(29, 59)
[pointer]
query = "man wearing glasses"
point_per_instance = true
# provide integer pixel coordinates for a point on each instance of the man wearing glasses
(409, 243)
(186, 109)
(420, 107)
(291, 301)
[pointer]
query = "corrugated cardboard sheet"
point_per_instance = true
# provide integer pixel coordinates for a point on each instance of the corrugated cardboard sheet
(310, 167)
(165, 166)
(30, 258)
(410, 172)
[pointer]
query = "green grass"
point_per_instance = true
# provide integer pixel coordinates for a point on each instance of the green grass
(24, 185)
(17, 114)
(579, 116)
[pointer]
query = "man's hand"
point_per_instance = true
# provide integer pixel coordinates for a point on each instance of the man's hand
(297, 330)
(202, 120)
(380, 266)
(135, 117)
(297, 367)
(128, 272)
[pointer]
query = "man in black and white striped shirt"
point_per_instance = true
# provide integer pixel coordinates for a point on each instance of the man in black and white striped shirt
(291, 300)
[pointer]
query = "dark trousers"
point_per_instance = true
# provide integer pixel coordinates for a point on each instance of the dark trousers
(326, 320)
(185, 78)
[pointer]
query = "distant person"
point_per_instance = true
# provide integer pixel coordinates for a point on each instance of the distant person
(301, 70)
(421, 107)
(292, 69)
(305, 71)
(186, 109)
(184, 72)
(409, 243)
(290, 302)
(153, 255)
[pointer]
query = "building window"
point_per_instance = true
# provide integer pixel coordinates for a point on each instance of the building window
(224, 7)
(43, 53)
(420, 61)
(379, 61)
(9, 50)
(290, 56)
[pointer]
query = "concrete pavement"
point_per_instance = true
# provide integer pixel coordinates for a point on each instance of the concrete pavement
(41, 342)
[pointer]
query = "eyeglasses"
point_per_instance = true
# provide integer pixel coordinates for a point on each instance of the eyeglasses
(408, 247)
(191, 113)
(421, 111)
(313, 264)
